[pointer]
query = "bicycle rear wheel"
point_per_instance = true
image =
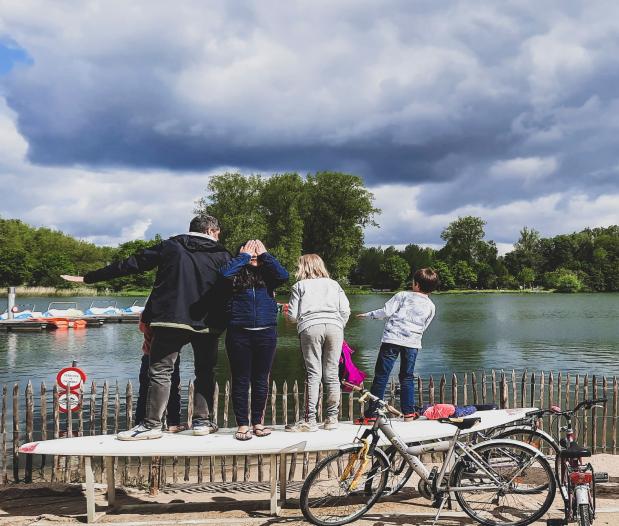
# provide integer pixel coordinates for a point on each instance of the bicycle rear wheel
(513, 485)
(341, 488)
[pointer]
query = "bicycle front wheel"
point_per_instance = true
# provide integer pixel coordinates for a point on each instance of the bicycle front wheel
(399, 471)
(534, 438)
(506, 484)
(342, 487)
(583, 515)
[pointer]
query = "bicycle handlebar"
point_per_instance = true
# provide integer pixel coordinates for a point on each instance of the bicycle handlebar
(366, 394)
(587, 404)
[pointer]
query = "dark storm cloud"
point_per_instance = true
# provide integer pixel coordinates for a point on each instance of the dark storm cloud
(480, 104)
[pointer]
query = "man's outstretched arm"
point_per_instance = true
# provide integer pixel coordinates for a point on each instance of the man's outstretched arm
(142, 261)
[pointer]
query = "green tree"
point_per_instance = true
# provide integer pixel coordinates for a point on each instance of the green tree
(526, 276)
(281, 199)
(464, 240)
(395, 270)
(563, 280)
(445, 275)
(418, 257)
(464, 275)
(48, 269)
(336, 209)
(367, 271)
(14, 268)
(141, 281)
(236, 201)
(486, 276)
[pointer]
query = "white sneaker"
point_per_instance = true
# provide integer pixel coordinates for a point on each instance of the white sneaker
(140, 432)
(302, 427)
(331, 423)
(203, 427)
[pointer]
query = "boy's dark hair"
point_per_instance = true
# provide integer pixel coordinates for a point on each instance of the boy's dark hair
(427, 279)
(203, 223)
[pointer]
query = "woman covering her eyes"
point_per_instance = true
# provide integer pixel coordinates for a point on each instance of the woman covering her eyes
(251, 336)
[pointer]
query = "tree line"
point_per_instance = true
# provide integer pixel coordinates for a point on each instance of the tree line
(586, 260)
(326, 213)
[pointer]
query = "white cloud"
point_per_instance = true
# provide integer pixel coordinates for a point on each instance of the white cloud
(527, 169)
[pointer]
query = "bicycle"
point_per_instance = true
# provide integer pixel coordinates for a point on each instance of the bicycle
(527, 430)
(497, 482)
(576, 480)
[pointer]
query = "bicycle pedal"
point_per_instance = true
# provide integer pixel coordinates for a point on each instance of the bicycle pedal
(601, 476)
(556, 522)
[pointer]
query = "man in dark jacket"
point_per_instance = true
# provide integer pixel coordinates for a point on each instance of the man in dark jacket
(185, 306)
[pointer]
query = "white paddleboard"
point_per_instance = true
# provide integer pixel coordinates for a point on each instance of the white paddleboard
(223, 442)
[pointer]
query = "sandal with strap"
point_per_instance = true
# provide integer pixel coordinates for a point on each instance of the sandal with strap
(243, 435)
(261, 431)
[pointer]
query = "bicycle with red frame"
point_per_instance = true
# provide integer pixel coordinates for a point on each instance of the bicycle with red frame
(576, 480)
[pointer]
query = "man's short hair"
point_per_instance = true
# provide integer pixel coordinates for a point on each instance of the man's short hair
(203, 223)
(427, 279)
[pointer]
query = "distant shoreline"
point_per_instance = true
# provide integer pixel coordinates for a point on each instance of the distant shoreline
(353, 291)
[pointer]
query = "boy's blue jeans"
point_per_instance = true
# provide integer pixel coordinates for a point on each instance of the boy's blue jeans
(387, 355)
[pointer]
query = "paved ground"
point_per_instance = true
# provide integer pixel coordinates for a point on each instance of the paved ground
(222, 505)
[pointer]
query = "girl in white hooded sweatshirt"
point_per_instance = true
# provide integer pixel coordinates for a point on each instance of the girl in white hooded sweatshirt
(321, 309)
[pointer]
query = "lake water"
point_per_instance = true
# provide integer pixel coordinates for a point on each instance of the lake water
(472, 332)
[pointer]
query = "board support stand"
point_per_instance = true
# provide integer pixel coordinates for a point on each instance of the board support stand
(275, 509)
(111, 483)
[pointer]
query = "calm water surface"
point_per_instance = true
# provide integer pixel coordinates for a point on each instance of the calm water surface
(470, 332)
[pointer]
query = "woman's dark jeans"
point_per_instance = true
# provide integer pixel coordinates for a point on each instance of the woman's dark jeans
(387, 356)
(173, 412)
(251, 356)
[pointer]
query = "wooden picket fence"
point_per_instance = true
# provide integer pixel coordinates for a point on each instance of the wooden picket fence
(104, 410)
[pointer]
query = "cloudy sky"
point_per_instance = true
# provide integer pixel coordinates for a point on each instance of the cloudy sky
(114, 114)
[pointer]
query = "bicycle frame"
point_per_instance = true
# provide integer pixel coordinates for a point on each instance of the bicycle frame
(451, 447)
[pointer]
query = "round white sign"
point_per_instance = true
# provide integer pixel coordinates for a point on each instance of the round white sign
(72, 377)
(71, 398)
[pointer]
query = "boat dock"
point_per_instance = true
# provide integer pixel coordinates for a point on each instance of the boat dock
(52, 324)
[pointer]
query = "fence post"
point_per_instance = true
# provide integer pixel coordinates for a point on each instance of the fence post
(503, 392)
(474, 387)
(16, 432)
(441, 390)
(615, 413)
(454, 389)
(604, 414)
(523, 389)
(4, 479)
(43, 426)
(29, 429)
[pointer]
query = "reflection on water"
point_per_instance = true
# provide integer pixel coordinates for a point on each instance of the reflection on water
(470, 332)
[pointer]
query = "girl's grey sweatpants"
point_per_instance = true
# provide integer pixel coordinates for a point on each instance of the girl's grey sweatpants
(321, 346)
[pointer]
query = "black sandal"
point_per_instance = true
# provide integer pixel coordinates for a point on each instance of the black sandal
(243, 435)
(261, 431)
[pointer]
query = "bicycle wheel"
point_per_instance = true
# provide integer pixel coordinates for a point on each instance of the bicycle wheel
(533, 438)
(399, 472)
(511, 484)
(545, 443)
(341, 488)
(583, 515)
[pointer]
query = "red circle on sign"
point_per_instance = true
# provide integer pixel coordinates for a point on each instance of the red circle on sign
(74, 371)
(68, 400)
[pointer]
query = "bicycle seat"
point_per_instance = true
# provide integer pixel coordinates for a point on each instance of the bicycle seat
(575, 451)
(460, 423)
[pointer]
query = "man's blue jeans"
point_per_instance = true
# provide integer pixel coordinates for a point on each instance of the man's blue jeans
(387, 355)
